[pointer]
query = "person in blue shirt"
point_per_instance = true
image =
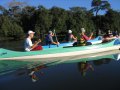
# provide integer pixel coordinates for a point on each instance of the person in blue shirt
(49, 39)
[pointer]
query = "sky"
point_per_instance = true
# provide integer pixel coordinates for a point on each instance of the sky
(66, 4)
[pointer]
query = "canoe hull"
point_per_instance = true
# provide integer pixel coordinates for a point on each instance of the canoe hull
(62, 56)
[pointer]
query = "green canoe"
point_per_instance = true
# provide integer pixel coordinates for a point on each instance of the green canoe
(60, 53)
(8, 66)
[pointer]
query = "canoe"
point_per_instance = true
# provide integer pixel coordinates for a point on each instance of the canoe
(60, 53)
(96, 40)
(9, 66)
(60, 45)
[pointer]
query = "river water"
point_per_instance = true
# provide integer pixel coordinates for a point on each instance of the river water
(100, 72)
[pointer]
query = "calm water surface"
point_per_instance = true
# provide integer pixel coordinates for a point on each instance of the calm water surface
(101, 74)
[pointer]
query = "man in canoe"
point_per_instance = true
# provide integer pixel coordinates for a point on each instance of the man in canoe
(49, 39)
(28, 45)
(109, 36)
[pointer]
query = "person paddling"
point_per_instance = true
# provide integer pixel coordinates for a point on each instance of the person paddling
(28, 45)
(109, 36)
(49, 39)
(71, 37)
(85, 37)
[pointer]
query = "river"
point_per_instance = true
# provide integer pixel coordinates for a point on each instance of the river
(100, 72)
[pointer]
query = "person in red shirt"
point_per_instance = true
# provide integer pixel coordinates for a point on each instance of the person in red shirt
(85, 37)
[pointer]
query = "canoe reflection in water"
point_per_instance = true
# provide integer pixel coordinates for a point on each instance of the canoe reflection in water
(102, 61)
(84, 67)
(33, 72)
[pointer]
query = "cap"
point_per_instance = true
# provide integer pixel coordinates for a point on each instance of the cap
(69, 31)
(82, 30)
(50, 31)
(30, 31)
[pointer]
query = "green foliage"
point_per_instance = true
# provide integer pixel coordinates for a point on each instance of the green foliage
(17, 20)
(10, 29)
(100, 5)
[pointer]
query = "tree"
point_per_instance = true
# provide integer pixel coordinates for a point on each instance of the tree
(112, 19)
(97, 6)
(3, 10)
(100, 5)
(28, 19)
(43, 21)
(59, 16)
(10, 29)
(80, 18)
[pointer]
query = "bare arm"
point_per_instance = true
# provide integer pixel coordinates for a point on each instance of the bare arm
(91, 36)
(35, 44)
(55, 43)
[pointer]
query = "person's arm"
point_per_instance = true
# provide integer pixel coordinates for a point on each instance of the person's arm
(35, 44)
(84, 36)
(51, 39)
(53, 34)
(91, 36)
(55, 43)
(73, 37)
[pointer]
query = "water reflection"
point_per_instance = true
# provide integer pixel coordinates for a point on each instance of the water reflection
(102, 61)
(117, 57)
(34, 69)
(83, 67)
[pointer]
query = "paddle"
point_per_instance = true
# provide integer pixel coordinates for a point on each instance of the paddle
(56, 37)
(36, 43)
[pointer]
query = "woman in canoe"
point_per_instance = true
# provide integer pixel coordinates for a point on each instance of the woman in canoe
(71, 37)
(84, 38)
(28, 45)
(49, 39)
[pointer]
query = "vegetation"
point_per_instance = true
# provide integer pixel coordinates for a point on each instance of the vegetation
(16, 20)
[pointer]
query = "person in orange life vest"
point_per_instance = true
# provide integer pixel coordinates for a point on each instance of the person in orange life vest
(85, 37)
(28, 45)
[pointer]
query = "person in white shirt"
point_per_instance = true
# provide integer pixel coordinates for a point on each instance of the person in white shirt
(28, 45)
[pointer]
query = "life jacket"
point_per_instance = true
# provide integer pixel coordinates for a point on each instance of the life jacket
(82, 42)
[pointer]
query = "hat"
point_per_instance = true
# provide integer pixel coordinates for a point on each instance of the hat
(82, 30)
(50, 31)
(69, 31)
(30, 31)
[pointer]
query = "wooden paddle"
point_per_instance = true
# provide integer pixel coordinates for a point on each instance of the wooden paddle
(36, 43)
(56, 37)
